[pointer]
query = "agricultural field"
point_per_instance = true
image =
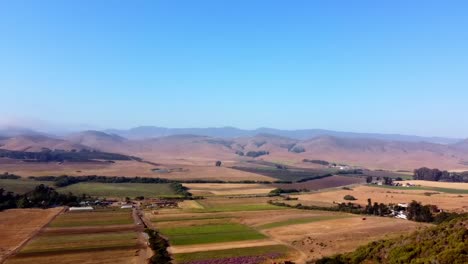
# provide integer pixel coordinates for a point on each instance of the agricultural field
(207, 189)
(215, 232)
(101, 236)
(95, 189)
(436, 184)
(20, 186)
(99, 217)
(118, 190)
(324, 183)
(219, 204)
(213, 236)
(17, 226)
(387, 195)
(186, 170)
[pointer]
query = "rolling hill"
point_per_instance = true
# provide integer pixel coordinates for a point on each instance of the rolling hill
(365, 152)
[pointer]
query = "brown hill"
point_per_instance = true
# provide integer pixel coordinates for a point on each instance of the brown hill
(38, 143)
(193, 149)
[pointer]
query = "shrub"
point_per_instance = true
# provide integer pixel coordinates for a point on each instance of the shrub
(349, 197)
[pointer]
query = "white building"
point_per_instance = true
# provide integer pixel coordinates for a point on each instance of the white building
(86, 208)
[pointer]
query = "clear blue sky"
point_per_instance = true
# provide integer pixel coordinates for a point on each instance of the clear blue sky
(398, 66)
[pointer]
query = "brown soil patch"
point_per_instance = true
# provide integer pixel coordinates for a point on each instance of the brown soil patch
(91, 230)
(121, 256)
(221, 246)
(18, 225)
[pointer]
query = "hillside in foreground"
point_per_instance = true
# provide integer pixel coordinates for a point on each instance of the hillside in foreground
(445, 243)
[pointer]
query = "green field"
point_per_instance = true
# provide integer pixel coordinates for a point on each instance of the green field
(80, 242)
(303, 221)
(120, 189)
(94, 218)
(195, 218)
(229, 253)
(213, 233)
(212, 205)
(423, 188)
(20, 186)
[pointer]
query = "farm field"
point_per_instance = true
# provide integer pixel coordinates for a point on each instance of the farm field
(95, 189)
(447, 201)
(423, 188)
(99, 217)
(18, 225)
(448, 185)
(101, 236)
(209, 232)
(116, 190)
(328, 182)
(20, 186)
(186, 170)
(298, 234)
(206, 189)
(216, 231)
(218, 204)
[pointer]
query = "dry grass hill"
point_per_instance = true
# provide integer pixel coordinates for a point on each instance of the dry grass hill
(178, 149)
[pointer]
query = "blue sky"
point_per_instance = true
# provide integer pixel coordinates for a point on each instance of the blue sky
(370, 66)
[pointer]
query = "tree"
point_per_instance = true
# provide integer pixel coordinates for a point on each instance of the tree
(218, 163)
(369, 179)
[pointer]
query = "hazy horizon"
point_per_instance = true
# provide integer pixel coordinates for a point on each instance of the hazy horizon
(394, 68)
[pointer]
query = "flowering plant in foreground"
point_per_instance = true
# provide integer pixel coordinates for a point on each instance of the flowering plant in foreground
(238, 260)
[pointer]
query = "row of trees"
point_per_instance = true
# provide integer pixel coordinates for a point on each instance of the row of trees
(42, 196)
(428, 174)
(48, 155)
(159, 246)
(64, 180)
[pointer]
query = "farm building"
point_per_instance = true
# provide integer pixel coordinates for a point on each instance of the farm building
(86, 208)
(164, 204)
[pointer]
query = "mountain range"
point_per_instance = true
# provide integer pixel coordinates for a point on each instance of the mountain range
(143, 132)
(231, 144)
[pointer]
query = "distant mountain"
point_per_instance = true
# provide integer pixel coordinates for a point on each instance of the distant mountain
(35, 143)
(462, 145)
(292, 147)
(302, 134)
(18, 131)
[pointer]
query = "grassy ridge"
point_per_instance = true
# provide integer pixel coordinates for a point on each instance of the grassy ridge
(229, 253)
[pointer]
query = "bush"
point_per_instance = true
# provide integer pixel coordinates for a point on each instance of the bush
(349, 198)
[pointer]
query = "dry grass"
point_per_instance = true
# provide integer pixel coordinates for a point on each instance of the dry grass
(324, 238)
(228, 188)
(18, 225)
(204, 171)
(450, 185)
(382, 195)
